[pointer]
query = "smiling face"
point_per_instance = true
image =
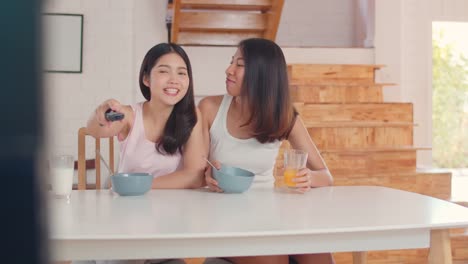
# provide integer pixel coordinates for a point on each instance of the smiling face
(235, 74)
(168, 79)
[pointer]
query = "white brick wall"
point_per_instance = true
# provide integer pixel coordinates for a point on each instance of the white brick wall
(110, 50)
(114, 41)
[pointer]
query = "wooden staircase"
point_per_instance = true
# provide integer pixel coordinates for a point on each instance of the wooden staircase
(224, 22)
(363, 139)
(366, 141)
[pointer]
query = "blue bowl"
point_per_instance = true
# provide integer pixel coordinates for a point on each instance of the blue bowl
(233, 179)
(131, 184)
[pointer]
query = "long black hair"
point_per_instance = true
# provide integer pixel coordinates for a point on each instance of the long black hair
(183, 117)
(266, 88)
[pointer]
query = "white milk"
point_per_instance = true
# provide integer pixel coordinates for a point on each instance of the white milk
(62, 181)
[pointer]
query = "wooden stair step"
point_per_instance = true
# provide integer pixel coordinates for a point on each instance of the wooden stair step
(309, 70)
(376, 150)
(336, 136)
(334, 124)
(332, 82)
(383, 112)
(338, 85)
(336, 73)
(252, 5)
(459, 232)
(222, 22)
(337, 93)
(361, 151)
(371, 160)
(214, 38)
(395, 173)
(459, 239)
(459, 247)
(368, 161)
(360, 162)
(433, 184)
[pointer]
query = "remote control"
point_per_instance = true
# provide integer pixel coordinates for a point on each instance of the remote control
(111, 115)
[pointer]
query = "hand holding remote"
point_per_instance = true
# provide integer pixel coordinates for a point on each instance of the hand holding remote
(109, 111)
(112, 115)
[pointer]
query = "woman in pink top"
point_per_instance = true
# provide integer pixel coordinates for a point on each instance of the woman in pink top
(162, 135)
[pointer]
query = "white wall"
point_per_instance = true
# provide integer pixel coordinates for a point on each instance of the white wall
(149, 29)
(330, 23)
(317, 23)
(403, 42)
(116, 35)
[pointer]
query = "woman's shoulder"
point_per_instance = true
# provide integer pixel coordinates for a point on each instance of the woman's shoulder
(209, 107)
(210, 103)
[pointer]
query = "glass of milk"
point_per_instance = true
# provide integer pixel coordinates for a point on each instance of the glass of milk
(61, 173)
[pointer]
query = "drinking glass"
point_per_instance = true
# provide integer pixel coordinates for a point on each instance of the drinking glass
(61, 173)
(294, 160)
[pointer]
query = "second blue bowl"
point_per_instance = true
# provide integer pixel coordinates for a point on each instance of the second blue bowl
(233, 179)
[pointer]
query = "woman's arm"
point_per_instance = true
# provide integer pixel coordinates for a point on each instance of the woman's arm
(192, 172)
(99, 127)
(209, 107)
(317, 173)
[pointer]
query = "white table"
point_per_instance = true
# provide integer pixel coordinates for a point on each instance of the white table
(198, 223)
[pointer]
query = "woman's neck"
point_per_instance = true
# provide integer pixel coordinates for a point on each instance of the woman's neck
(155, 117)
(240, 109)
(157, 111)
(240, 105)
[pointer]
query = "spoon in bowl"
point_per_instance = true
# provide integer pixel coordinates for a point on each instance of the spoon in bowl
(108, 169)
(211, 164)
(105, 163)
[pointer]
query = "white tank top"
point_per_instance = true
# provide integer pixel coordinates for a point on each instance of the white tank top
(248, 154)
(138, 154)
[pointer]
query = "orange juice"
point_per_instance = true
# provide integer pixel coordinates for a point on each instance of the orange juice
(289, 175)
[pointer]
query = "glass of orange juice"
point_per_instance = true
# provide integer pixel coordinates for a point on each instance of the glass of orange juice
(294, 160)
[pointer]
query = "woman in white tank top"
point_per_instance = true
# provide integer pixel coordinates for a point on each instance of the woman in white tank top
(245, 128)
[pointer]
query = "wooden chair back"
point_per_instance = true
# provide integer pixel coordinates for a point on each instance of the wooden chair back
(83, 164)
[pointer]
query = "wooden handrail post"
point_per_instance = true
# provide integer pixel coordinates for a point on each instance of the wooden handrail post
(81, 159)
(175, 21)
(274, 17)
